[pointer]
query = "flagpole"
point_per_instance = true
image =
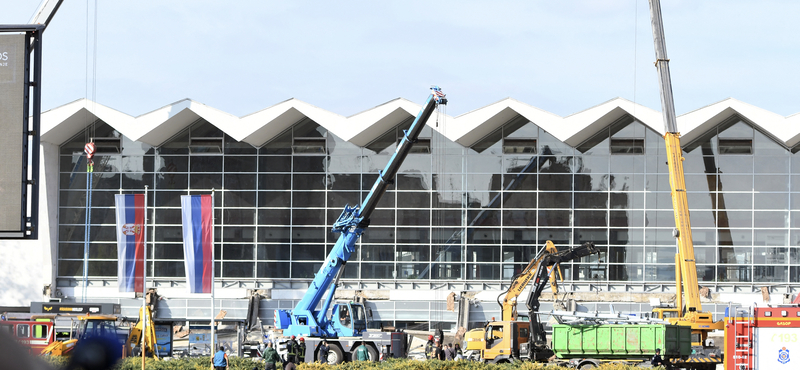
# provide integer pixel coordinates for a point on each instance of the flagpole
(144, 278)
(213, 342)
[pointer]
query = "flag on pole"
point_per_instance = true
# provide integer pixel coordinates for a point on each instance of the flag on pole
(130, 241)
(198, 224)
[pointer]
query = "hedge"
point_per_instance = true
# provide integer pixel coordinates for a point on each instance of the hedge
(238, 363)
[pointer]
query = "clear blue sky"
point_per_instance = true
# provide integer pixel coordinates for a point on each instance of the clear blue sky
(348, 56)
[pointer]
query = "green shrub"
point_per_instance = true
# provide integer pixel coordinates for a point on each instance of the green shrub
(238, 363)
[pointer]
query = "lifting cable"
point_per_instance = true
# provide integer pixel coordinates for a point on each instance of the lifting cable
(90, 148)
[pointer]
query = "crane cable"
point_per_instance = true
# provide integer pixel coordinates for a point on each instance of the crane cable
(89, 148)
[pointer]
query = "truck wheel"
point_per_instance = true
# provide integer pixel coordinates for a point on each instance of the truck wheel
(587, 366)
(335, 355)
(373, 354)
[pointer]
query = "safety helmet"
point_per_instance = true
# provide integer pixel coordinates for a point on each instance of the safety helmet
(430, 337)
(302, 339)
(292, 336)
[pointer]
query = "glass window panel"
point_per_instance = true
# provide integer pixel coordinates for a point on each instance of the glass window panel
(734, 273)
(383, 217)
(407, 199)
(102, 268)
(482, 199)
(596, 236)
(70, 268)
(413, 235)
(590, 218)
(274, 164)
(483, 182)
(522, 181)
(308, 217)
(239, 199)
(593, 164)
(308, 235)
(736, 182)
(238, 216)
(770, 255)
(770, 274)
(484, 236)
(309, 199)
(764, 164)
(517, 254)
(102, 251)
(309, 163)
(240, 163)
(275, 270)
(305, 270)
(659, 183)
(413, 270)
(548, 181)
(378, 235)
(554, 218)
(630, 254)
(735, 201)
(70, 250)
(772, 201)
(450, 271)
(492, 164)
(557, 236)
(700, 183)
(736, 255)
(240, 182)
(627, 272)
(794, 256)
(627, 200)
(591, 200)
(519, 218)
(418, 163)
(654, 236)
(205, 181)
(700, 200)
(335, 199)
(774, 183)
(412, 253)
(660, 273)
(169, 180)
(703, 218)
(381, 253)
(446, 218)
(340, 181)
(237, 269)
(308, 252)
(273, 252)
(274, 216)
(626, 236)
(205, 163)
(659, 218)
(554, 200)
(627, 182)
(377, 270)
(658, 200)
(274, 198)
(309, 182)
(628, 163)
(168, 269)
(136, 180)
(592, 182)
(519, 200)
(771, 219)
(478, 271)
(168, 216)
(484, 217)
(626, 218)
(344, 163)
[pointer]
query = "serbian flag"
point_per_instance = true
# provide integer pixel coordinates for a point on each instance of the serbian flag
(130, 241)
(198, 222)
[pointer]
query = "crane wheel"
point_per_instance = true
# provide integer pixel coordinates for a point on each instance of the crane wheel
(335, 355)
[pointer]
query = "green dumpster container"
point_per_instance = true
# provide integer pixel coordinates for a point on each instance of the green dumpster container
(621, 341)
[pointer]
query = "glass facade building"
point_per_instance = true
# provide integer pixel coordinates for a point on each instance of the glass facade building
(454, 214)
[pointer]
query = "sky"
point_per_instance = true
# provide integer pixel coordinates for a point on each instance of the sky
(349, 56)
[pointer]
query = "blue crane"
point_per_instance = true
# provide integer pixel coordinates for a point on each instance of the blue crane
(349, 319)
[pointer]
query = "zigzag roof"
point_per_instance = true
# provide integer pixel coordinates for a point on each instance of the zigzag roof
(154, 128)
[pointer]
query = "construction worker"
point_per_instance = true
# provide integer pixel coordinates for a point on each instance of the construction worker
(362, 353)
(271, 358)
(291, 350)
(221, 359)
(301, 351)
(323, 352)
(657, 360)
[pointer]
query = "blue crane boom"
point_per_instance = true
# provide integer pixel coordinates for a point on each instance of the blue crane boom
(305, 319)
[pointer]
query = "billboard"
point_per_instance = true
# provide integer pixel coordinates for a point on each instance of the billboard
(12, 135)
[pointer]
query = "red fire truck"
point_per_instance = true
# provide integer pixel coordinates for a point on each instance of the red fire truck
(763, 338)
(35, 335)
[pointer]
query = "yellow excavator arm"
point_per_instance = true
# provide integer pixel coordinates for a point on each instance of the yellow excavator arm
(135, 336)
(520, 282)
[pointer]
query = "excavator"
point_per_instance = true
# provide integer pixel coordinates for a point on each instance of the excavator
(106, 326)
(687, 289)
(510, 339)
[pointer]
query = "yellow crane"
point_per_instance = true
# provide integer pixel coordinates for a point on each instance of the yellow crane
(687, 290)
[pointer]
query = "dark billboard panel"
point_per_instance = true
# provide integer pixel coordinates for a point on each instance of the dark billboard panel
(12, 116)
